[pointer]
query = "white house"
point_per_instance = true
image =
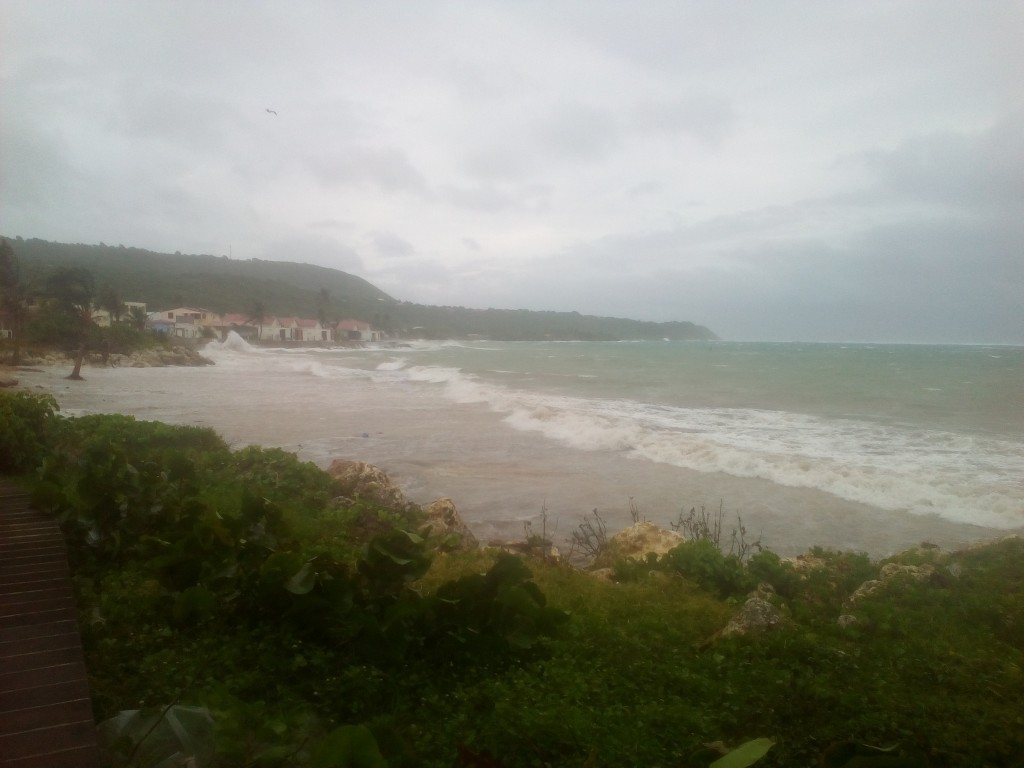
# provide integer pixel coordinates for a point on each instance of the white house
(356, 330)
(312, 330)
(243, 325)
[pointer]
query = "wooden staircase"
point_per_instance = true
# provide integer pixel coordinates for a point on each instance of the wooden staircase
(46, 718)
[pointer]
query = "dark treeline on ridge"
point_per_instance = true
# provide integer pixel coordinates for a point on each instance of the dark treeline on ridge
(221, 284)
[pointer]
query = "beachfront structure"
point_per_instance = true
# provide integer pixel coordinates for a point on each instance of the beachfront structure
(294, 329)
(193, 322)
(312, 330)
(204, 318)
(356, 330)
(184, 322)
(243, 325)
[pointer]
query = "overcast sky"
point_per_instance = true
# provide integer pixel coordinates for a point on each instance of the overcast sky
(773, 170)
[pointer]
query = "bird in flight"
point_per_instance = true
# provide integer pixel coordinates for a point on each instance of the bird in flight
(271, 111)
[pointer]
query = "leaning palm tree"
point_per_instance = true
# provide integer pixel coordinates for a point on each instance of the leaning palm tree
(73, 289)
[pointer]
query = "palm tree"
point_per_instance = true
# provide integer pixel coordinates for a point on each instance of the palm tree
(73, 289)
(257, 315)
(323, 303)
(110, 300)
(137, 317)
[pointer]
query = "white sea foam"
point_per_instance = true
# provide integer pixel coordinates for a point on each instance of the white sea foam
(232, 343)
(957, 477)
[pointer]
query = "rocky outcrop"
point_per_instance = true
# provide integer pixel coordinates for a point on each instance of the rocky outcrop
(359, 481)
(886, 574)
(915, 572)
(443, 521)
(637, 542)
(757, 616)
(805, 563)
(157, 357)
(154, 357)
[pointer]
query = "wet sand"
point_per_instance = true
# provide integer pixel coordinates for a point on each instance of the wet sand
(498, 477)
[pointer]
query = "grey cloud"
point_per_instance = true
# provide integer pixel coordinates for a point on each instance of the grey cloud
(186, 119)
(421, 280)
(389, 170)
(494, 83)
(920, 280)
(37, 170)
(495, 198)
(568, 139)
(579, 131)
(704, 117)
(336, 224)
(977, 169)
(312, 249)
(390, 245)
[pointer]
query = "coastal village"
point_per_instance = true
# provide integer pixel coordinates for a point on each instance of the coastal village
(198, 323)
(195, 322)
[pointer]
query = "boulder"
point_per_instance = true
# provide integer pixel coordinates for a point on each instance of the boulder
(867, 589)
(888, 572)
(7, 381)
(603, 574)
(805, 563)
(915, 572)
(846, 620)
(638, 541)
(360, 481)
(756, 617)
(444, 521)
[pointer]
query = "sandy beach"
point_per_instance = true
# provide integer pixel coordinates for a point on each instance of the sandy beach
(499, 478)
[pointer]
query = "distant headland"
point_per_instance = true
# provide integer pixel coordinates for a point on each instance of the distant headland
(161, 280)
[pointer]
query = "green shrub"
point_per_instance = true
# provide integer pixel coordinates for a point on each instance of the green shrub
(28, 424)
(702, 562)
(766, 566)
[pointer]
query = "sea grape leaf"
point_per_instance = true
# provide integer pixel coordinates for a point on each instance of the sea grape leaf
(745, 754)
(196, 602)
(303, 581)
(279, 567)
(350, 746)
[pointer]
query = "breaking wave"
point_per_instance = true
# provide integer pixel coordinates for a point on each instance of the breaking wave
(926, 472)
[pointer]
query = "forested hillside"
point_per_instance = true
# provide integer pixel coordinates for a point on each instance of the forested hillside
(164, 280)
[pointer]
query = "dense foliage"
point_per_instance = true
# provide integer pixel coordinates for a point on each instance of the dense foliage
(322, 634)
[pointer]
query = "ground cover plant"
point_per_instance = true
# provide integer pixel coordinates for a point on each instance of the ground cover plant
(311, 632)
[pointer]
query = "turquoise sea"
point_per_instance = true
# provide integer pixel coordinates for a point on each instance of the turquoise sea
(863, 446)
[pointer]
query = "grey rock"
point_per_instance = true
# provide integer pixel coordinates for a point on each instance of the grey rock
(444, 521)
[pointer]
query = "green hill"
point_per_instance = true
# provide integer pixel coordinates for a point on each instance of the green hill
(164, 280)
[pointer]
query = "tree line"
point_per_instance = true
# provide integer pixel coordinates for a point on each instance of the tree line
(287, 288)
(59, 308)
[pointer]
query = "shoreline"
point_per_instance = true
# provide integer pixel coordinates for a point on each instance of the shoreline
(498, 490)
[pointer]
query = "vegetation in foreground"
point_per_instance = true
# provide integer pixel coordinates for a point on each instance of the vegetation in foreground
(227, 587)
